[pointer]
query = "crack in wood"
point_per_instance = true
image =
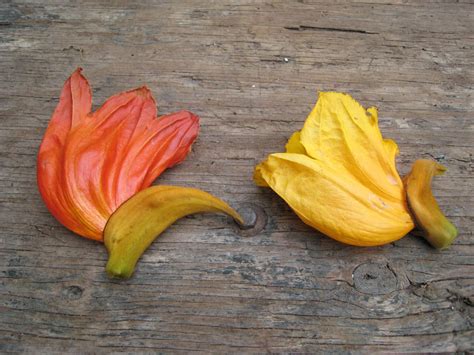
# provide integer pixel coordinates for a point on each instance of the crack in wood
(329, 29)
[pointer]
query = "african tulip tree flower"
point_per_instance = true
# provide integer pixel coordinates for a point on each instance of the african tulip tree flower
(339, 175)
(89, 163)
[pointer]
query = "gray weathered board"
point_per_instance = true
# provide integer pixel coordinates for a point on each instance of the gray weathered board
(251, 70)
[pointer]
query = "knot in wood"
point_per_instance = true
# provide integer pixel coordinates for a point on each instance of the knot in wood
(72, 292)
(374, 278)
(254, 218)
(249, 216)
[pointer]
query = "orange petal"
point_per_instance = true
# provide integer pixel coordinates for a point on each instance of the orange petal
(74, 104)
(90, 163)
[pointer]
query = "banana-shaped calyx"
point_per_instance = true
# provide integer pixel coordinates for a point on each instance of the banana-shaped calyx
(438, 230)
(141, 219)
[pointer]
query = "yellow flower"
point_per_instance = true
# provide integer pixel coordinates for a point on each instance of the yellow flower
(339, 175)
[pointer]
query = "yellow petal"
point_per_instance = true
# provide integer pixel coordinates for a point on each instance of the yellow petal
(339, 130)
(392, 151)
(257, 177)
(294, 144)
(330, 199)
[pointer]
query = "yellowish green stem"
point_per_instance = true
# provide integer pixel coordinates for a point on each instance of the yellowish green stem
(438, 230)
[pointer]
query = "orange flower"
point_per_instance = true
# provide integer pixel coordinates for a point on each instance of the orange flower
(89, 163)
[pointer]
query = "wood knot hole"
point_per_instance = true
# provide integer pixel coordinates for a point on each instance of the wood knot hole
(72, 292)
(254, 218)
(374, 278)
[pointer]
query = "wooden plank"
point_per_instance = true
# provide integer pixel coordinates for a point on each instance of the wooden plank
(251, 70)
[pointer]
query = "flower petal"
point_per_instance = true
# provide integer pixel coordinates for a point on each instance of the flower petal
(93, 151)
(163, 143)
(90, 163)
(331, 200)
(340, 130)
(294, 144)
(74, 104)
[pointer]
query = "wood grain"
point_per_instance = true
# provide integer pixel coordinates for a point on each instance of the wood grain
(251, 69)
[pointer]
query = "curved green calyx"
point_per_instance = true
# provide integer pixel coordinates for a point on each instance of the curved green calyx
(438, 230)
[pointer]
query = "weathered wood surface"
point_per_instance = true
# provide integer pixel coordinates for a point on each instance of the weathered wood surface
(251, 70)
